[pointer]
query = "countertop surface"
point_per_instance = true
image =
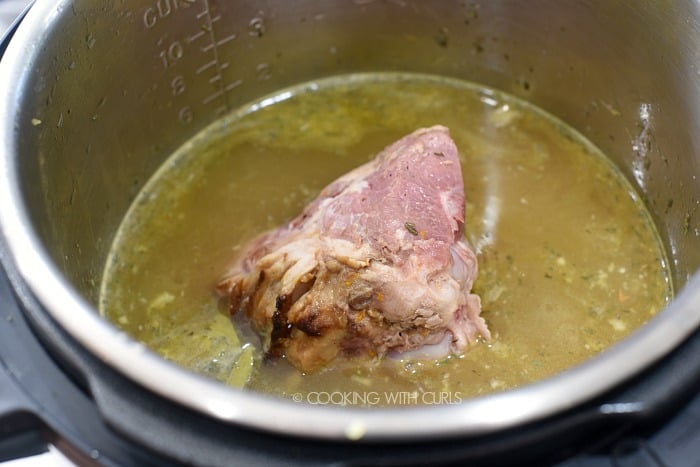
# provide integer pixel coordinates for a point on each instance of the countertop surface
(9, 10)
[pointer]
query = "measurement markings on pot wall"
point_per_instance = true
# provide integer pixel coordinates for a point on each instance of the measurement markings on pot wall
(161, 9)
(204, 40)
(215, 65)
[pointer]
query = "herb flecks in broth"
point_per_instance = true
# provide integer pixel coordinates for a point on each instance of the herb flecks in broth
(569, 260)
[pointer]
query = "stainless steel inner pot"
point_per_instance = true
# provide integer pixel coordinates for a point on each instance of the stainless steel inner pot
(95, 95)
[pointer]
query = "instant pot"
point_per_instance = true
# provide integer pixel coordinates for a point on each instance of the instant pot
(96, 95)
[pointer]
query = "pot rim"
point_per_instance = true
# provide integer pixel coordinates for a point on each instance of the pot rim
(477, 416)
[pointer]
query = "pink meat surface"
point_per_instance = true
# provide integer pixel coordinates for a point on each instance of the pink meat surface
(376, 264)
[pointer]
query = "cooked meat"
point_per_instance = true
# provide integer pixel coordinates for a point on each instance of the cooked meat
(377, 263)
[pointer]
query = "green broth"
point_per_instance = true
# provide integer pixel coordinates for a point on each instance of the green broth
(569, 260)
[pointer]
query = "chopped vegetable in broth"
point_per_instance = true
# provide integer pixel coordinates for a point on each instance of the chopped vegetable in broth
(569, 260)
